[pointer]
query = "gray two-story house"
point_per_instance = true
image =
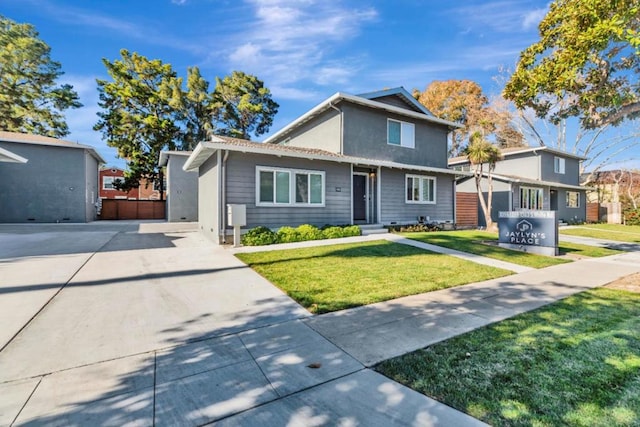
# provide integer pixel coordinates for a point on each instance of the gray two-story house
(377, 158)
(532, 178)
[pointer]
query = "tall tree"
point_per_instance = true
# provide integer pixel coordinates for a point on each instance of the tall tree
(31, 101)
(246, 106)
(586, 64)
(200, 113)
(483, 157)
(141, 109)
(463, 101)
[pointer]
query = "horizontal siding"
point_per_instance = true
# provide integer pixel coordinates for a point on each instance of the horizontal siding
(241, 183)
(394, 207)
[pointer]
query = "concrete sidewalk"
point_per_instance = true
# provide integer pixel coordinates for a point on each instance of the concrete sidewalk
(602, 243)
(157, 327)
(384, 330)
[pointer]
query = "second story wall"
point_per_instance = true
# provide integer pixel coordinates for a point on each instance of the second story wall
(553, 170)
(526, 165)
(365, 135)
(322, 132)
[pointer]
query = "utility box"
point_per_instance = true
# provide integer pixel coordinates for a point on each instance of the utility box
(237, 215)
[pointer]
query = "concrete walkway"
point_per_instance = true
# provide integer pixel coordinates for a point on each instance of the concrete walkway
(159, 327)
(602, 243)
(392, 238)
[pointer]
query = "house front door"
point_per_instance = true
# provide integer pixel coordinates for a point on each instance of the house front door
(553, 200)
(360, 197)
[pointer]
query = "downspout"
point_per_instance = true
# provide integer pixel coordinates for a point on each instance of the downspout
(341, 127)
(223, 194)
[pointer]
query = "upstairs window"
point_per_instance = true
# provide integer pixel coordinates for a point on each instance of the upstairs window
(401, 133)
(108, 181)
(558, 165)
(421, 189)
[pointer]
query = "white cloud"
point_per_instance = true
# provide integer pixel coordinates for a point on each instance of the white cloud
(502, 16)
(286, 42)
(533, 18)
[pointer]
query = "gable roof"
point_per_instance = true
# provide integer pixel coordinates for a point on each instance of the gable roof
(371, 103)
(206, 149)
(27, 138)
(8, 156)
(164, 156)
(401, 93)
(506, 152)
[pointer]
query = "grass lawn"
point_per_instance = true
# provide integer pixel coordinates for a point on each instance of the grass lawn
(471, 241)
(330, 278)
(575, 363)
(621, 233)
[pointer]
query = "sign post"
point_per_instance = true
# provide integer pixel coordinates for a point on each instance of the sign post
(529, 231)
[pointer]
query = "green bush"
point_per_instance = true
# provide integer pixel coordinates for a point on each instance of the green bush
(632, 216)
(333, 232)
(259, 236)
(351, 230)
(288, 235)
(309, 232)
(414, 228)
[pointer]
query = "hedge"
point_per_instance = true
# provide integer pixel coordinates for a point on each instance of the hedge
(260, 236)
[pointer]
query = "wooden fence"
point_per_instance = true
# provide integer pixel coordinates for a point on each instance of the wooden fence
(466, 210)
(132, 209)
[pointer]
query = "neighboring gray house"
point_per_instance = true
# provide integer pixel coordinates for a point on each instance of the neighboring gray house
(58, 182)
(182, 187)
(532, 178)
(378, 158)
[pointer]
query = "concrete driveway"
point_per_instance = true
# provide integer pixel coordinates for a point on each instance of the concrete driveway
(128, 323)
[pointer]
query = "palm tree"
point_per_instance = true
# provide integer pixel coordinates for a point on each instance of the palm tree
(481, 153)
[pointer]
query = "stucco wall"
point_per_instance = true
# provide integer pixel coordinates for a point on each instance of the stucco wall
(365, 135)
(50, 187)
(322, 132)
(91, 188)
(182, 191)
(208, 202)
(571, 175)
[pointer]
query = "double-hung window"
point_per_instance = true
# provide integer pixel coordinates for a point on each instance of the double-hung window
(573, 199)
(279, 186)
(531, 198)
(420, 189)
(107, 182)
(558, 165)
(401, 133)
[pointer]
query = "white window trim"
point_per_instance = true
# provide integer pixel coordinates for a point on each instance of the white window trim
(537, 189)
(403, 127)
(567, 200)
(559, 165)
(292, 192)
(421, 177)
(113, 179)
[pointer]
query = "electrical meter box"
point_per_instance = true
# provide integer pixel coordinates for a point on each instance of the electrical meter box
(237, 215)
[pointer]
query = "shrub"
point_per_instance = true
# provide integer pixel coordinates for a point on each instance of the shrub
(351, 230)
(414, 228)
(632, 217)
(259, 236)
(333, 232)
(288, 235)
(309, 232)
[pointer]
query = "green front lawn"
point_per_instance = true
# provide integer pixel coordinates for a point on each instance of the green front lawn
(574, 363)
(617, 232)
(330, 278)
(471, 241)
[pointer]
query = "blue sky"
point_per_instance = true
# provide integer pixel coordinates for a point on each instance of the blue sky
(304, 50)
